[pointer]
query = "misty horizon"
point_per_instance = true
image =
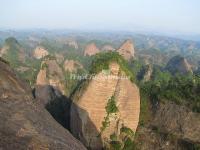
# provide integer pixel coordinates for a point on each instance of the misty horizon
(177, 17)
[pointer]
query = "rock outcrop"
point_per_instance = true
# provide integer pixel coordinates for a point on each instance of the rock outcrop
(107, 48)
(172, 127)
(40, 52)
(127, 50)
(145, 73)
(178, 64)
(12, 51)
(25, 124)
(51, 75)
(88, 111)
(72, 65)
(91, 49)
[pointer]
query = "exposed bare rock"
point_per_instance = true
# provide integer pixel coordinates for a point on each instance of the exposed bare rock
(72, 65)
(40, 52)
(91, 49)
(88, 111)
(171, 127)
(127, 50)
(50, 74)
(25, 124)
(179, 121)
(107, 48)
(179, 64)
(3, 50)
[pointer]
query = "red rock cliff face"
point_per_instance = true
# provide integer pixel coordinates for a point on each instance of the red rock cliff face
(25, 124)
(127, 50)
(91, 49)
(88, 111)
(51, 74)
(40, 52)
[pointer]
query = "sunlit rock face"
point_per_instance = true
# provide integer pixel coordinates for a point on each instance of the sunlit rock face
(127, 50)
(91, 49)
(88, 111)
(51, 74)
(40, 52)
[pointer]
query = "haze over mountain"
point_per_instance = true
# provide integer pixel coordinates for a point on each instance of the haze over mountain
(105, 15)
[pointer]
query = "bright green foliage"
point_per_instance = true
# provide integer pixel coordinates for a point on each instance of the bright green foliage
(127, 131)
(111, 106)
(102, 60)
(181, 89)
(105, 123)
(124, 141)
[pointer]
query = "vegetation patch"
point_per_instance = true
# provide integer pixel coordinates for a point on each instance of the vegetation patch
(102, 60)
(111, 108)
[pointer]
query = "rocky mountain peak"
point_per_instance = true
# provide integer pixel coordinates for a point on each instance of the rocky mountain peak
(91, 49)
(127, 50)
(40, 52)
(178, 64)
(92, 121)
(50, 74)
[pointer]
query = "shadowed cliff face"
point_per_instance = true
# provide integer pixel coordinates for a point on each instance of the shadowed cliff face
(90, 102)
(51, 74)
(25, 124)
(178, 64)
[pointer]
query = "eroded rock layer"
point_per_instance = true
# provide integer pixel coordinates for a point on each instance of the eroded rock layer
(88, 111)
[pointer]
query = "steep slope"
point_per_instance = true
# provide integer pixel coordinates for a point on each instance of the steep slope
(171, 127)
(51, 74)
(40, 52)
(89, 109)
(127, 50)
(91, 49)
(25, 124)
(13, 52)
(178, 64)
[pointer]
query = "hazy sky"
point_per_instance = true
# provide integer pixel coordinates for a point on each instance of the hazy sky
(161, 15)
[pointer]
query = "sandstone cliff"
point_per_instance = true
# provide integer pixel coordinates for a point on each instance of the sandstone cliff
(40, 52)
(91, 49)
(127, 50)
(51, 74)
(178, 64)
(88, 111)
(25, 124)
